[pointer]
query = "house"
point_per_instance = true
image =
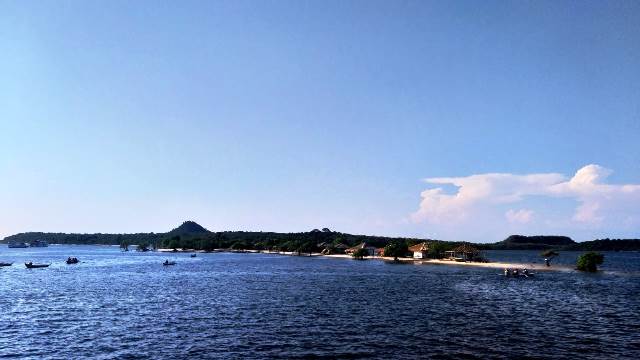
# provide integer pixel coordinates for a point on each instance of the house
(370, 249)
(333, 249)
(420, 251)
(464, 252)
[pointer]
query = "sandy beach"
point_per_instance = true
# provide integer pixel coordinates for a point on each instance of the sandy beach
(491, 265)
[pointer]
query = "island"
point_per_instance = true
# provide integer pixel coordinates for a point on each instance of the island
(191, 235)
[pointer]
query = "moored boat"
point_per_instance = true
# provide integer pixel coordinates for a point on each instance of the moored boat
(167, 263)
(31, 265)
(17, 244)
(515, 273)
(5, 264)
(72, 260)
(39, 243)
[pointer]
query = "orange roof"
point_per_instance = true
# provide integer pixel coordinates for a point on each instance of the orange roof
(424, 246)
(359, 246)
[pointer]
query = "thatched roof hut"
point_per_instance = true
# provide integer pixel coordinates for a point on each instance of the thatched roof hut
(423, 246)
(356, 248)
(364, 245)
(420, 251)
(464, 252)
(466, 248)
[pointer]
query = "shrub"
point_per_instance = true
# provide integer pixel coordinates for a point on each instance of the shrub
(590, 261)
(144, 247)
(395, 249)
(360, 254)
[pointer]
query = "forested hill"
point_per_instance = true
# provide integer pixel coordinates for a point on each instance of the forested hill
(538, 242)
(192, 235)
(188, 228)
(607, 245)
(544, 242)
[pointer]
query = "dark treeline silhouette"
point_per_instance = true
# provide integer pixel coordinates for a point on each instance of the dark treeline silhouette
(190, 235)
(607, 245)
(537, 242)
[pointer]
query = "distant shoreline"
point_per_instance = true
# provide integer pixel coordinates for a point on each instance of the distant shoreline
(192, 235)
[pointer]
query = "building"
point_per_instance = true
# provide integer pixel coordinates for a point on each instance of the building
(464, 252)
(370, 249)
(420, 251)
(333, 249)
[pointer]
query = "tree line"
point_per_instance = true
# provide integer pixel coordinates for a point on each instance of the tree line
(311, 241)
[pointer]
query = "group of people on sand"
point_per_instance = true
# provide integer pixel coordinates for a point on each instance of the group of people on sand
(516, 272)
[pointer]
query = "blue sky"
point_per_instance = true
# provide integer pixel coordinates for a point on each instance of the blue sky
(128, 116)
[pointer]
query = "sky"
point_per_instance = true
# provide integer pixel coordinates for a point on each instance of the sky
(456, 120)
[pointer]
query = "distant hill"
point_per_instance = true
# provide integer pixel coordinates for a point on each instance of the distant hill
(188, 228)
(538, 242)
(607, 245)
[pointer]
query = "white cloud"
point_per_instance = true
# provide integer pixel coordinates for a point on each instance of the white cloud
(522, 216)
(484, 196)
(437, 206)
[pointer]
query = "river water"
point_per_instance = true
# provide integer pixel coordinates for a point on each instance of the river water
(116, 305)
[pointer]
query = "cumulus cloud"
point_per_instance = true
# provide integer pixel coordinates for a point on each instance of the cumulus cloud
(484, 189)
(596, 203)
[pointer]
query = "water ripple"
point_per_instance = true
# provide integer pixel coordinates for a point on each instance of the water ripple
(254, 306)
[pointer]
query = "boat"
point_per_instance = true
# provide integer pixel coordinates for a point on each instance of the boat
(193, 255)
(515, 273)
(5, 264)
(39, 243)
(167, 263)
(31, 265)
(72, 260)
(17, 244)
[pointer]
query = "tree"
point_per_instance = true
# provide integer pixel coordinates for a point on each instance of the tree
(174, 242)
(360, 254)
(305, 247)
(396, 249)
(437, 249)
(124, 246)
(590, 261)
(548, 255)
(144, 247)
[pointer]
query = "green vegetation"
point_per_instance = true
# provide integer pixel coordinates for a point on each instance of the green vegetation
(437, 249)
(144, 247)
(607, 245)
(396, 249)
(190, 235)
(360, 254)
(590, 261)
(539, 242)
(548, 256)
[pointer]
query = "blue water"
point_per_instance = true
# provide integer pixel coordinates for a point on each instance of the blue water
(221, 305)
